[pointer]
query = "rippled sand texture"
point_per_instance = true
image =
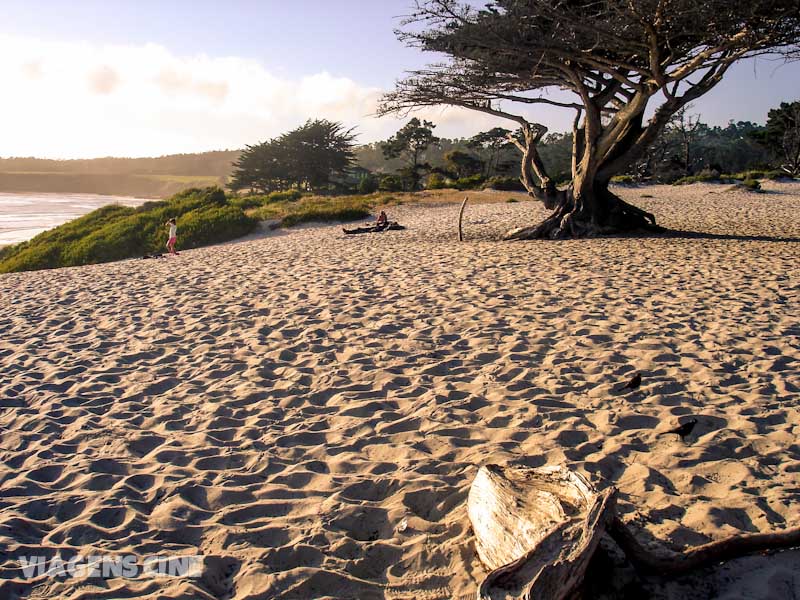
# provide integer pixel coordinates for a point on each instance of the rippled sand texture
(285, 403)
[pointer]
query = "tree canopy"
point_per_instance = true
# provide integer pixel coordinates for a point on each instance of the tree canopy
(782, 136)
(310, 158)
(607, 59)
(410, 144)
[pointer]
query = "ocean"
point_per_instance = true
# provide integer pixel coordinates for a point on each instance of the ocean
(25, 215)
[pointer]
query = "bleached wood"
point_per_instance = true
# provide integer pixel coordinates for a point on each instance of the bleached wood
(536, 529)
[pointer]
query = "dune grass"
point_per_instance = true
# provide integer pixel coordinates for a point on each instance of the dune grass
(204, 216)
(306, 209)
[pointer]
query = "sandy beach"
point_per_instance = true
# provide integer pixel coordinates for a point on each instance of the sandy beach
(307, 409)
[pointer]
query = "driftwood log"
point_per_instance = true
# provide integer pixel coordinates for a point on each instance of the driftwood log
(537, 529)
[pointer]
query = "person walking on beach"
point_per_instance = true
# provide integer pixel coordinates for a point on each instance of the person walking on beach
(173, 235)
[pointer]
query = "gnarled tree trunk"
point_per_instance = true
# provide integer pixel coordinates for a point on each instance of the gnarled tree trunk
(587, 207)
(592, 212)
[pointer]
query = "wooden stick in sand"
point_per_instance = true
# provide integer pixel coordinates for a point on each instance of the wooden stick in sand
(460, 218)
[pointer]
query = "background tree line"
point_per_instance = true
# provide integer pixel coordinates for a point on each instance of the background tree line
(322, 156)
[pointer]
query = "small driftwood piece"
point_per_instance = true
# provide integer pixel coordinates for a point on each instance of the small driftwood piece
(460, 219)
(537, 529)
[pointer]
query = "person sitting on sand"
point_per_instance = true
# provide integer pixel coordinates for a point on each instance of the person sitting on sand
(173, 235)
(382, 223)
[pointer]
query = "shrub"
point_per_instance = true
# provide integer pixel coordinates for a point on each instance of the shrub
(512, 200)
(470, 183)
(505, 184)
(367, 184)
(325, 214)
(246, 202)
(290, 195)
(391, 183)
(705, 176)
(436, 182)
(751, 185)
(623, 179)
(326, 209)
(213, 225)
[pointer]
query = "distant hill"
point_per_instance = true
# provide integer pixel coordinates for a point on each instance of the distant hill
(158, 177)
(149, 177)
(216, 163)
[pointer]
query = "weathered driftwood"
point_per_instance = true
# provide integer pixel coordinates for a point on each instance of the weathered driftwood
(537, 529)
(460, 219)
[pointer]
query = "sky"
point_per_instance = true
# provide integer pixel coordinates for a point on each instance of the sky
(88, 78)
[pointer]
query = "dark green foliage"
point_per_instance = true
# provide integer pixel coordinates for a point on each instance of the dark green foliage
(213, 225)
(463, 164)
(731, 149)
(410, 144)
(309, 158)
(781, 137)
(436, 181)
(325, 214)
(370, 156)
(505, 184)
(751, 184)
(246, 202)
(367, 184)
(204, 216)
(490, 146)
(288, 195)
(706, 176)
(470, 183)
(391, 183)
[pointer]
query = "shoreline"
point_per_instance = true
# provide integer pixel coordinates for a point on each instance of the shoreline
(23, 213)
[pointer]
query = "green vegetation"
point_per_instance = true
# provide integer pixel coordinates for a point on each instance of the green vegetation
(436, 181)
(391, 183)
(410, 144)
(708, 176)
(205, 216)
(751, 185)
(505, 184)
(702, 177)
(473, 182)
(781, 137)
(308, 209)
(623, 179)
(313, 157)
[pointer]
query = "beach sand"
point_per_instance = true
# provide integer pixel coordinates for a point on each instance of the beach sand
(307, 410)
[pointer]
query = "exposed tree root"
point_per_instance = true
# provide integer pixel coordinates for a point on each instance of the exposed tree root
(646, 561)
(537, 529)
(568, 221)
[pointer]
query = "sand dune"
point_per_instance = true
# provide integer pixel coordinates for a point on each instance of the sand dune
(308, 410)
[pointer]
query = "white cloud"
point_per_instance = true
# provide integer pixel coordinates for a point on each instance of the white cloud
(75, 99)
